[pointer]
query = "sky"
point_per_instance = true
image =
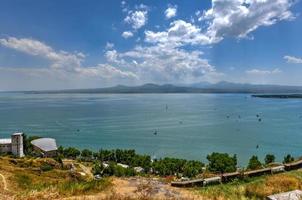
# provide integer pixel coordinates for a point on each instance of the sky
(63, 44)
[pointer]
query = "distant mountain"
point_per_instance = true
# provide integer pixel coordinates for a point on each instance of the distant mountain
(221, 87)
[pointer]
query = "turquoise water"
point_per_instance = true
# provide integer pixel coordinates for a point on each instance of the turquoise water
(187, 125)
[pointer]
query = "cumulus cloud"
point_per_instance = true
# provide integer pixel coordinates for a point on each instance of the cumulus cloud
(127, 34)
(171, 11)
(64, 65)
(137, 19)
(179, 33)
(293, 59)
(162, 64)
(60, 59)
(225, 18)
(263, 72)
(237, 18)
(109, 45)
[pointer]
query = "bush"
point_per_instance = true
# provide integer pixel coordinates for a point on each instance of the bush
(269, 158)
(288, 158)
(174, 166)
(71, 152)
(222, 162)
(86, 154)
(98, 168)
(46, 167)
(254, 163)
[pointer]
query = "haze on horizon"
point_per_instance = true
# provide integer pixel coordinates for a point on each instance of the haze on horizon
(56, 44)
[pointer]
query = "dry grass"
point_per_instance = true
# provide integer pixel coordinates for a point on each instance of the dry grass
(254, 188)
(273, 184)
(27, 181)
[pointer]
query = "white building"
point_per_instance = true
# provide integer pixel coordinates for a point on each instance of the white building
(47, 147)
(12, 145)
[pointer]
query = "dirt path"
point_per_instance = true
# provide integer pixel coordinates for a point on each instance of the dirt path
(4, 182)
(140, 188)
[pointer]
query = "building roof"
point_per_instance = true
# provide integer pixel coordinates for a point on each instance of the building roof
(45, 144)
(17, 134)
(6, 141)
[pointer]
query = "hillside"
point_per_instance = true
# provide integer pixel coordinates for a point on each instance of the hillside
(221, 87)
(27, 179)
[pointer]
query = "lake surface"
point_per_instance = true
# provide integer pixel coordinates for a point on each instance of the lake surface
(187, 125)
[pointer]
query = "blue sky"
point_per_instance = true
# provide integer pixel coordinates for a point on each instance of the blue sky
(56, 44)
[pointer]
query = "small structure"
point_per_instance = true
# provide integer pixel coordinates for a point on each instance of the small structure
(13, 145)
(227, 177)
(278, 169)
(189, 183)
(212, 180)
(292, 195)
(45, 146)
(122, 165)
(138, 169)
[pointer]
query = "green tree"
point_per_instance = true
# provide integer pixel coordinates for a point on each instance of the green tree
(27, 146)
(288, 158)
(222, 162)
(269, 158)
(98, 168)
(71, 152)
(254, 163)
(86, 154)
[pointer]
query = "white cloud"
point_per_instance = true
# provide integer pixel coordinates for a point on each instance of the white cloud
(163, 64)
(237, 18)
(64, 67)
(137, 19)
(179, 33)
(263, 72)
(60, 59)
(171, 11)
(293, 59)
(127, 34)
(226, 18)
(109, 45)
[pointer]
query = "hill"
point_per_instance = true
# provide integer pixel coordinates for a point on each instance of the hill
(221, 87)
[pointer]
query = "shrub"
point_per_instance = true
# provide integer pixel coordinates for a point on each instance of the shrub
(46, 167)
(86, 154)
(288, 158)
(254, 163)
(222, 162)
(269, 158)
(71, 152)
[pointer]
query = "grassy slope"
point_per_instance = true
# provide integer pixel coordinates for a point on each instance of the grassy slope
(26, 180)
(254, 188)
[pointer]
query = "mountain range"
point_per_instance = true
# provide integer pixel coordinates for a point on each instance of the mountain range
(203, 87)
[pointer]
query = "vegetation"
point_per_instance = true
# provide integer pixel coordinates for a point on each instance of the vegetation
(288, 158)
(253, 188)
(222, 162)
(254, 163)
(269, 158)
(27, 146)
(179, 167)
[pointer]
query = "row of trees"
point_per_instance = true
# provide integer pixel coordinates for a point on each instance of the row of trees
(223, 162)
(162, 167)
(217, 162)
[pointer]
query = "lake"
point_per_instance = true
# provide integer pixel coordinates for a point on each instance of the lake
(187, 125)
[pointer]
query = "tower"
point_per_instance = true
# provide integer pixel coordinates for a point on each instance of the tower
(17, 144)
